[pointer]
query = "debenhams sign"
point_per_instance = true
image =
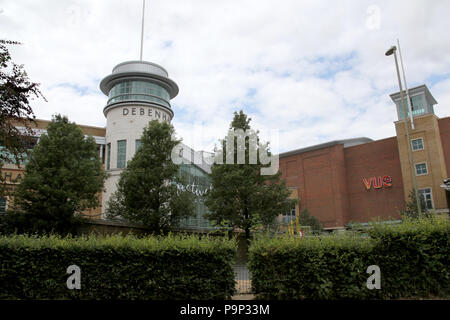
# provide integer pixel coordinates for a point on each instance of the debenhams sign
(141, 111)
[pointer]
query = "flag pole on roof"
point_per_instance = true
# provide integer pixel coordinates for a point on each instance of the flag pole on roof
(142, 30)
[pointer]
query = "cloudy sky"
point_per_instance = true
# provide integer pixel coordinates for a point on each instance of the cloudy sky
(313, 70)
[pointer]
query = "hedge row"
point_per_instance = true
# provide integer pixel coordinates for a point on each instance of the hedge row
(414, 260)
(116, 267)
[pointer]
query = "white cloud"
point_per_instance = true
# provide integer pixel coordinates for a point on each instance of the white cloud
(315, 70)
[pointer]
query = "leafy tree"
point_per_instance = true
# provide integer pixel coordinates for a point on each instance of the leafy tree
(241, 196)
(63, 178)
(147, 191)
(306, 219)
(411, 210)
(16, 91)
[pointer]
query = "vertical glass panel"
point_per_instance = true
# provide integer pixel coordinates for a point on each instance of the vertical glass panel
(121, 153)
(108, 156)
(138, 145)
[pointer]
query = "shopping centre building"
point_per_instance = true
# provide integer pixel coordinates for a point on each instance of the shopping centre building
(339, 182)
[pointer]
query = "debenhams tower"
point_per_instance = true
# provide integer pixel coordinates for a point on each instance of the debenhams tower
(138, 92)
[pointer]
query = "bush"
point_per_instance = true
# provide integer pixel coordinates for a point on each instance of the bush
(116, 267)
(413, 258)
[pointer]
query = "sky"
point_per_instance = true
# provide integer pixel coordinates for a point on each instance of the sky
(306, 72)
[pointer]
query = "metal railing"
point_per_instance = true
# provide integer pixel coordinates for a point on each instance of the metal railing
(242, 278)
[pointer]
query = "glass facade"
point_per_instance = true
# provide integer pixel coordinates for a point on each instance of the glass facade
(28, 145)
(417, 106)
(198, 181)
(139, 91)
(121, 153)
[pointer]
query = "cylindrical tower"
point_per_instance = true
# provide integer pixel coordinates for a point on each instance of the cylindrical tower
(138, 92)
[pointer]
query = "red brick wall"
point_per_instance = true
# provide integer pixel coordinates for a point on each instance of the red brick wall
(320, 178)
(330, 182)
(373, 159)
(444, 128)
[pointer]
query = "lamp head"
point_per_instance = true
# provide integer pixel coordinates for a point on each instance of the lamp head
(391, 50)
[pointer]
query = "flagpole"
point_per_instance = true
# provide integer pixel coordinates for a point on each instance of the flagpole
(142, 31)
(406, 86)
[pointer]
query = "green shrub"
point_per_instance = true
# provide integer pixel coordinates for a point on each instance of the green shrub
(413, 258)
(115, 267)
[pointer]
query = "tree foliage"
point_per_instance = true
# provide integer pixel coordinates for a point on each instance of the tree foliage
(306, 219)
(241, 196)
(411, 210)
(16, 90)
(147, 191)
(63, 178)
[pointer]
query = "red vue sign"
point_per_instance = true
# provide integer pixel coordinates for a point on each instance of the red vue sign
(378, 182)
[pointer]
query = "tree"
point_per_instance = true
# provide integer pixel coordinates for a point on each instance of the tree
(241, 196)
(147, 192)
(306, 219)
(411, 206)
(16, 91)
(63, 178)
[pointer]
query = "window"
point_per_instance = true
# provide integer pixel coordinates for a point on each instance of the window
(121, 153)
(421, 169)
(138, 145)
(289, 216)
(108, 156)
(2, 205)
(417, 106)
(139, 90)
(417, 144)
(425, 194)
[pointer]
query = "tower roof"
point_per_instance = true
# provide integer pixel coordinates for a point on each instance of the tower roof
(139, 70)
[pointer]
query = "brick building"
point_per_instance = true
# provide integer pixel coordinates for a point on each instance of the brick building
(356, 180)
(339, 182)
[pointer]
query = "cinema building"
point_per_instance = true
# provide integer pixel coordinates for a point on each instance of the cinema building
(357, 180)
(339, 182)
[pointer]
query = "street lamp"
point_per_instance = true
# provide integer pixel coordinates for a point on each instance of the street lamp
(393, 50)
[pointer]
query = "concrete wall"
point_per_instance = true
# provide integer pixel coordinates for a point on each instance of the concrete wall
(126, 122)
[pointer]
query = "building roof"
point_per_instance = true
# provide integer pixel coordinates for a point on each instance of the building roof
(422, 88)
(345, 142)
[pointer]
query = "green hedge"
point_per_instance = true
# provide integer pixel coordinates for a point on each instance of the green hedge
(116, 267)
(413, 258)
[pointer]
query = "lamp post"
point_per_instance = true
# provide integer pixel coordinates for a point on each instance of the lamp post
(391, 51)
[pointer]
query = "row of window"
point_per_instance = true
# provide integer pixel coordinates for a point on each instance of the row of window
(121, 153)
(139, 90)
